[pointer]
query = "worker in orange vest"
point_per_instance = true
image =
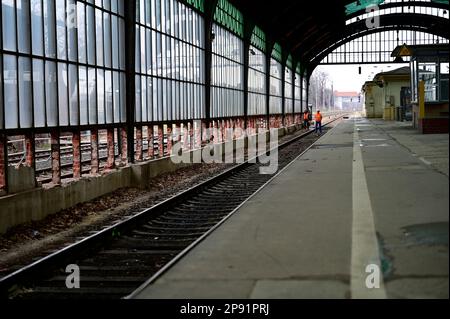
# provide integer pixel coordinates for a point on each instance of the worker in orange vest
(318, 120)
(306, 120)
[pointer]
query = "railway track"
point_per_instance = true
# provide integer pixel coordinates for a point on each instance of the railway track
(117, 260)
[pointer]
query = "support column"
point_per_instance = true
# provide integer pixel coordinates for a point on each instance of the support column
(76, 139)
(169, 139)
(197, 134)
(123, 146)
(30, 150)
(94, 152)
(177, 135)
(150, 150)
(184, 138)
(191, 135)
(110, 162)
(215, 133)
(160, 141)
(139, 153)
(3, 163)
(56, 165)
(205, 133)
(130, 72)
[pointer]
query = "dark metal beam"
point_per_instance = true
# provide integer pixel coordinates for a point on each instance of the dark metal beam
(130, 48)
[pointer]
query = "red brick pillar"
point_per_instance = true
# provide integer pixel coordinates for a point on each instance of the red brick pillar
(3, 163)
(220, 131)
(76, 139)
(29, 149)
(56, 165)
(139, 153)
(124, 146)
(94, 152)
(110, 162)
(169, 139)
(191, 135)
(150, 150)
(205, 132)
(184, 133)
(160, 141)
(215, 132)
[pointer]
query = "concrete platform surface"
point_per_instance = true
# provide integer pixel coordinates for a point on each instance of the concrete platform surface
(362, 214)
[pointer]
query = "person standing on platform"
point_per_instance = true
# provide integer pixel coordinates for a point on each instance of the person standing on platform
(318, 120)
(306, 120)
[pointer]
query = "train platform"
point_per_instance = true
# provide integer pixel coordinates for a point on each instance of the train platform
(369, 195)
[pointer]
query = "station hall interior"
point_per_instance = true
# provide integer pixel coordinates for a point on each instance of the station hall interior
(137, 141)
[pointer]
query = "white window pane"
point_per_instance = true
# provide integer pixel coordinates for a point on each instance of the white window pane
(37, 29)
(61, 28)
(81, 22)
(72, 30)
(107, 39)
(108, 97)
(50, 93)
(25, 93)
(38, 93)
(49, 28)
(23, 25)
(63, 102)
(10, 94)
(92, 95)
(99, 36)
(101, 96)
(90, 34)
(116, 97)
(73, 95)
(9, 25)
(83, 83)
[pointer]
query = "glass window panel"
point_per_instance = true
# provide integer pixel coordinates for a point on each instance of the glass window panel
(51, 87)
(108, 97)
(138, 108)
(73, 95)
(25, 93)
(37, 30)
(107, 39)
(99, 36)
(115, 42)
(144, 113)
(92, 95)
(72, 30)
(10, 93)
(61, 28)
(81, 23)
(49, 28)
(38, 93)
(90, 32)
(149, 98)
(9, 23)
(101, 96)
(83, 88)
(23, 25)
(116, 97)
(63, 94)
(123, 113)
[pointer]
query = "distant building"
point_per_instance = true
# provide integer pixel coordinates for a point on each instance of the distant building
(384, 96)
(347, 100)
(429, 67)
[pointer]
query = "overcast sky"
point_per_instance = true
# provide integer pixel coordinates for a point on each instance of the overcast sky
(346, 77)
